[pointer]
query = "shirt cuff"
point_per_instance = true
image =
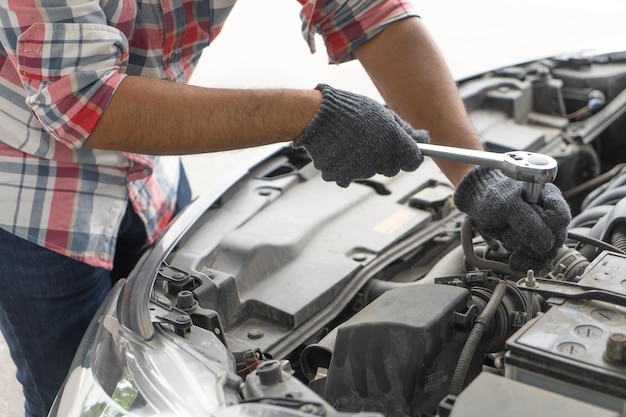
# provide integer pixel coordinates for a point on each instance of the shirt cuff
(348, 25)
(70, 72)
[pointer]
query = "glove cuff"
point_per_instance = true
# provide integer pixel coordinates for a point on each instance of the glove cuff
(354, 137)
(328, 118)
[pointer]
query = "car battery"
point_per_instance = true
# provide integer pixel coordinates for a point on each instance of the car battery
(565, 349)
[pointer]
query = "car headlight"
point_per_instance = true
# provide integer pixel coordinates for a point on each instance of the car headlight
(116, 373)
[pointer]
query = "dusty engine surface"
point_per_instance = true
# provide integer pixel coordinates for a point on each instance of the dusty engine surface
(382, 298)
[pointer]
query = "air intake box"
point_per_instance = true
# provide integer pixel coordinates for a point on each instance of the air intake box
(397, 356)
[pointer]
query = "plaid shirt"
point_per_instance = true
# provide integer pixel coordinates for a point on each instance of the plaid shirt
(59, 67)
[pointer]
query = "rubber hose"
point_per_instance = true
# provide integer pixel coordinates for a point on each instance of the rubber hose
(600, 244)
(617, 180)
(377, 287)
(610, 196)
(471, 345)
(450, 264)
(590, 217)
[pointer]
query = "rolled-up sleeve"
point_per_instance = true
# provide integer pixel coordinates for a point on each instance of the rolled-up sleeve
(69, 63)
(347, 24)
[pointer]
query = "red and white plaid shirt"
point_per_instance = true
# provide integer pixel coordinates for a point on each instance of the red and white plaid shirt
(59, 67)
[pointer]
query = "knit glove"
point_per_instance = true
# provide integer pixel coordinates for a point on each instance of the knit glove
(532, 233)
(354, 137)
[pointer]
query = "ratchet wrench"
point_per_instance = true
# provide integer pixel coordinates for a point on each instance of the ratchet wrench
(534, 169)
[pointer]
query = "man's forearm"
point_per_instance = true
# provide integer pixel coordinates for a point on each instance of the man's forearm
(411, 75)
(163, 118)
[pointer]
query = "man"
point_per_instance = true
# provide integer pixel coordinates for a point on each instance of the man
(89, 89)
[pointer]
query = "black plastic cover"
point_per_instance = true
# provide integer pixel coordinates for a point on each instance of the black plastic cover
(397, 356)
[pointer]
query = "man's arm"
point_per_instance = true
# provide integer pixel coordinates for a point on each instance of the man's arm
(161, 117)
(407, 68)
(415, 82)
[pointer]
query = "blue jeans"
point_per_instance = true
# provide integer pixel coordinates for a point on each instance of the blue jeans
(47, 301)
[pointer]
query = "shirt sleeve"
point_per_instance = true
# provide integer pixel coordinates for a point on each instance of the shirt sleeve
(347, 24)
(69, 60)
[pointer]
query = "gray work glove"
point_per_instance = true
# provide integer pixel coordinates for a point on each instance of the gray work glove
(354, 137)
(532, 233)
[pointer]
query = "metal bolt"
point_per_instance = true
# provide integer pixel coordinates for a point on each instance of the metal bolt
(255, 334)
(530, 279)
(186, 300)
(615, 348)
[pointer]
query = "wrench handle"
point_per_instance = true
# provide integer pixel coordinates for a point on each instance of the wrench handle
(534, 169)
(469, 156)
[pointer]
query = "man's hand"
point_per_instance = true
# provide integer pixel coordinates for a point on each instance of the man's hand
(354, 137)
(533, 233)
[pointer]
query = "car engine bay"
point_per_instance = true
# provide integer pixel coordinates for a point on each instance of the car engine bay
(296, 297)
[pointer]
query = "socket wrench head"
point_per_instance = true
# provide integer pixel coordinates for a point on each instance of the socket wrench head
(534, 169)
